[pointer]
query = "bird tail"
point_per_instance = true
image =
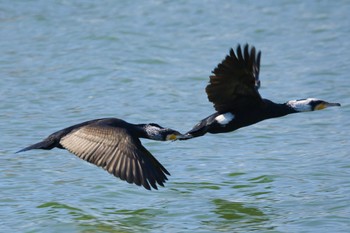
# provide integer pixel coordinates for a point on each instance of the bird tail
(193, 133)
(186, 136)
(201, 128)
(46, 144)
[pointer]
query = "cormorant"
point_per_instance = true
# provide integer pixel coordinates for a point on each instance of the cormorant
(114, 145)
(233, 89)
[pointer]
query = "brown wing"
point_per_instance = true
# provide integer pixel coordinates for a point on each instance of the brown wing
(116, 151)
(235, 81)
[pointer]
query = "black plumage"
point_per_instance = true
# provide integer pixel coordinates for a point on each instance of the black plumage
(233, 89)
(114, 145)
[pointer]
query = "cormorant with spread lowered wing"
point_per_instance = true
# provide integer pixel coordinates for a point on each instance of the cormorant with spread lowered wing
(114, 145)
(233, 89)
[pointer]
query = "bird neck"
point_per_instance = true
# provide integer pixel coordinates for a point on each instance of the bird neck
(277, 110)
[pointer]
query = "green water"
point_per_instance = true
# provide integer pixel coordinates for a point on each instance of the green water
(64, 62)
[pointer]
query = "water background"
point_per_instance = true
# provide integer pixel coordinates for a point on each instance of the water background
(64, 62)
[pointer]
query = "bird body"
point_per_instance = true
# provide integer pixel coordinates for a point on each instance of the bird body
(230, 121)
(233, 90)
(114, 145)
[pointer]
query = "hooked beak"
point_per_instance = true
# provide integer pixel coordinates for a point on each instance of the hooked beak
(326, 105)
(333, 104)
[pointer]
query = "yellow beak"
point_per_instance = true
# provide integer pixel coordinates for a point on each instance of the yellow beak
(325, 105)
(320, 106)
(171, 137)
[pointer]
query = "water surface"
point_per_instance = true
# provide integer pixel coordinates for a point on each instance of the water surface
(63, 62)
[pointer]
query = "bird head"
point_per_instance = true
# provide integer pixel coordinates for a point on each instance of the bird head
(157, 132)
(310, 104)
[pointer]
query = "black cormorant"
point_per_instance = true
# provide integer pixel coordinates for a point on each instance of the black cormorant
(233, 89)
(114, 145)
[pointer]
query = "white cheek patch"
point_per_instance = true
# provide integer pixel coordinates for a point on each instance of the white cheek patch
(153, 132)
(225, 118)
(301, 105)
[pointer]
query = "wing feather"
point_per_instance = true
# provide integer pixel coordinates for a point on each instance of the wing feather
(118, 152)
(235, 81)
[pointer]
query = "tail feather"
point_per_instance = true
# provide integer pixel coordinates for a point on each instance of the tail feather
(198, 130)
(44, 145)
(203, 127)
(186, 136)
(193, 133)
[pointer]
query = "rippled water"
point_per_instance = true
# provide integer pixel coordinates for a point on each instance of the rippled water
(63, 62)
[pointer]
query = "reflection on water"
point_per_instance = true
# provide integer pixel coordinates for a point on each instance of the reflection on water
(257, 186)
(189, 187)
(262, 179)
(109, 220)
(238, 211)
(235, 215)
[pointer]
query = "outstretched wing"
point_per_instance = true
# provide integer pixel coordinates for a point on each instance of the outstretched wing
(235, 81)
(116, 151)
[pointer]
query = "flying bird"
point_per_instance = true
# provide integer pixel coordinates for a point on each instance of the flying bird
(233, 89)
(114, 145)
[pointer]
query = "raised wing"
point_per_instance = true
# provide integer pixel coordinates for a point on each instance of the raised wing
(116, 151)
(235, 81)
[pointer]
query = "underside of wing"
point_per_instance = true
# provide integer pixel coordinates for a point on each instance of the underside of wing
(235, 81)
(118, 152)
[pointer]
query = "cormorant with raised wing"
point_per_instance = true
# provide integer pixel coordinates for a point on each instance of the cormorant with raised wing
(233, 89)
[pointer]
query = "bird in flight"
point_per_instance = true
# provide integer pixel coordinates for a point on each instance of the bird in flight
(114, 145)
(233, 89)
